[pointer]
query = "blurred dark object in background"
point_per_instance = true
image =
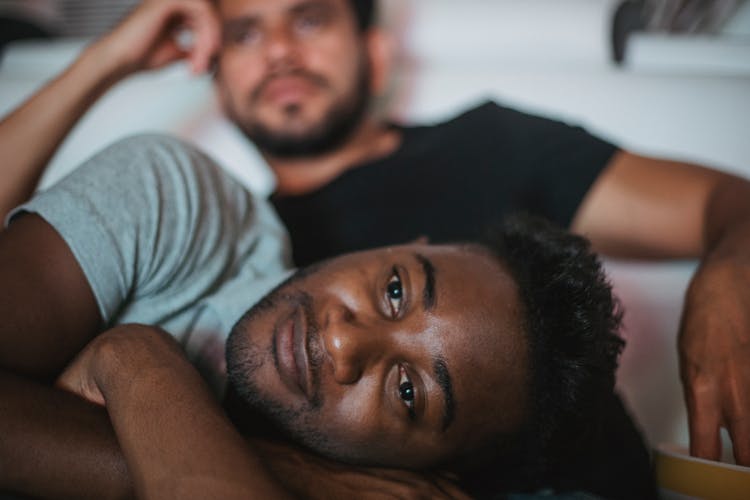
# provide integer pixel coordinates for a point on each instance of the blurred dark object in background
(688, 16)
(629, 17)
(21, 19)
(669, 16)
(39, 19)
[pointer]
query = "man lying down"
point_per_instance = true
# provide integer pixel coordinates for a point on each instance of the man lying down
(482, 363)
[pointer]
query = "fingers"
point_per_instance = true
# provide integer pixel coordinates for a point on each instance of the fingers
(738, 414)
(704, 419)
(146, 39)
(166, 53)
(739, 431)
(198, 44)
(195, 34)
(722, 399)
(207, 38)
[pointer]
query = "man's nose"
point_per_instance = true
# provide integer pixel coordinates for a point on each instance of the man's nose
(281, 46)
(352, 343)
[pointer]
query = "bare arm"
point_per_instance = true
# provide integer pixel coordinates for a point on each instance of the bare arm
(642, 207)
(175, 437)
(53, 444)
(178, 443)
(57, 445)
(30, 135)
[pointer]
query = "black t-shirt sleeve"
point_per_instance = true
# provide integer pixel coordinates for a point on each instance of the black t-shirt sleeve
(536, 165)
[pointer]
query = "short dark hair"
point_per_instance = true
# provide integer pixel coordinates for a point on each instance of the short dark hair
(571, 321)
(364, 13)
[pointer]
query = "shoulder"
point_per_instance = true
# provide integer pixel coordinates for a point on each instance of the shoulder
(149, 180)
(489, 111)
(503, 118)
(152, 152)
(157, 165)
(489, 124)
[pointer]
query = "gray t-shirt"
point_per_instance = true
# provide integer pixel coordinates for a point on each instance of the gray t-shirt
(166, 237)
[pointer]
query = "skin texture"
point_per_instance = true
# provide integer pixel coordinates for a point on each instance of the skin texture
(275, 81)
(148, 386)
(369, 343)
(57, 445)
(287, 66)
(674, 209)
(360, 326)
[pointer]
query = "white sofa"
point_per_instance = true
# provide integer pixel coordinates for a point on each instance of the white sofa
(546, 56)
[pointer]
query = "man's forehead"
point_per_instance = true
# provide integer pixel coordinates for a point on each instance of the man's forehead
(260, 8)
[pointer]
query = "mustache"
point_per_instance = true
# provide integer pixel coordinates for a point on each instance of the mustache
(311, 77)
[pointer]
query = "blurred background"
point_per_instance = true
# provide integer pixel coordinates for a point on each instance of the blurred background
(668, 78)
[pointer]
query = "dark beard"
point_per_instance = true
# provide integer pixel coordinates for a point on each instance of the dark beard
(333, 130)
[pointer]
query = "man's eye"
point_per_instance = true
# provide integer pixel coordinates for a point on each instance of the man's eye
(395, 293)
(243, 35)
(309, 22)
(406, 390)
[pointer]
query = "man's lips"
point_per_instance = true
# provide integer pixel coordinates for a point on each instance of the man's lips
(292, 355)
(301, 354)
(287, 89)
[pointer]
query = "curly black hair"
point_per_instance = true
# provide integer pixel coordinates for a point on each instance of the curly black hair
(571, 322)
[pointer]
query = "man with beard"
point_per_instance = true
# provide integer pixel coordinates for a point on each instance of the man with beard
(296, 76)
(380, 358)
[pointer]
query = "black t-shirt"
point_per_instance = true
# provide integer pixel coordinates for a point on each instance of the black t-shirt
(449, 182)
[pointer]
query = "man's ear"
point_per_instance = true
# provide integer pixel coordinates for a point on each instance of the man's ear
(380, 47)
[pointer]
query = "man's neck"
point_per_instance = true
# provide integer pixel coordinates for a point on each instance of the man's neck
(298, 176)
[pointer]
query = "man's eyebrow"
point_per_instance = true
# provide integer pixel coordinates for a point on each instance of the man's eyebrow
(439, 366)
(310, 5)
(443, 377)
(239, 23)
(428, 294)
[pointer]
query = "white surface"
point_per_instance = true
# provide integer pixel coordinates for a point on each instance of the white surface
(545, 56)
(689, 54)
(475, 34)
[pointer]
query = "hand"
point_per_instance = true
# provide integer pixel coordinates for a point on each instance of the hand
(146, 38)
(714, 347)
(314, 477)
(114, 353)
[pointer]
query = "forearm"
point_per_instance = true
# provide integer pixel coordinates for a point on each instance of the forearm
(30, 135)
(54, 444)
(175, 437)
(727, 221)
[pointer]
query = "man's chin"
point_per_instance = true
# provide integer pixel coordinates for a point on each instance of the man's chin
(299, 143)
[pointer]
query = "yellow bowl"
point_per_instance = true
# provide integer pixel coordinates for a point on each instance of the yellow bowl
(679, 476)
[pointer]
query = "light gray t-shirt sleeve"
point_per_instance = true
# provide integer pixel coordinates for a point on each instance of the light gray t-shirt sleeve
(156, 226)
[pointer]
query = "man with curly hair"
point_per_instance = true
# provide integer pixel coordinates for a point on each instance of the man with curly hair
(444, 359)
